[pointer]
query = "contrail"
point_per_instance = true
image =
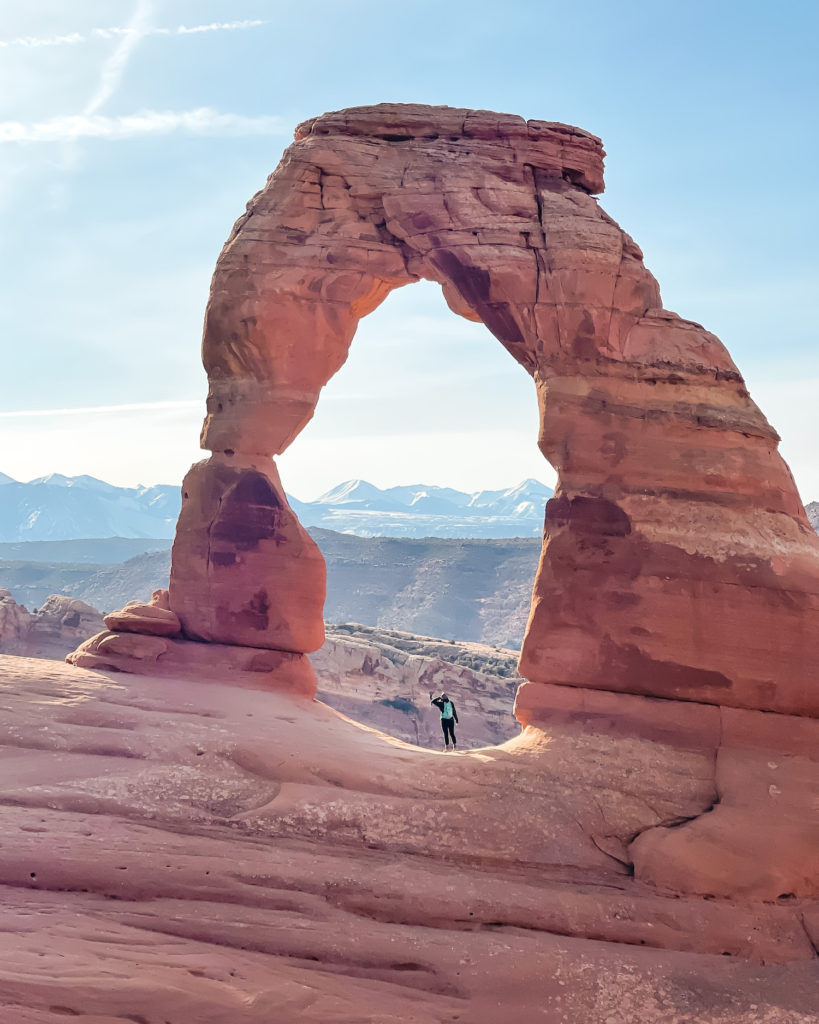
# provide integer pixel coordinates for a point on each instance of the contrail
(73, 38)
(114, 67)
(91, 409)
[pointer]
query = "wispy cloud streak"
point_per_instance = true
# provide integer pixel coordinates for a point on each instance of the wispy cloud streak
(114, 67)
(202, 121)
(73, 38)
(93, 409)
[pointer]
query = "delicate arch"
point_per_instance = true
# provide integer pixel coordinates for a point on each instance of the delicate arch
(656, 575)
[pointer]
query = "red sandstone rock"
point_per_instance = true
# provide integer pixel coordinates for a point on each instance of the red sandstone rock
(141, 646)
(15, 622)
(679, 723)
(236, 527)
(180, 850)
(761, 840)
(253, 668)
(144, 618)
(677, 562)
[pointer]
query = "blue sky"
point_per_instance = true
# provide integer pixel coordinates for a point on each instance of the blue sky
(131, 135)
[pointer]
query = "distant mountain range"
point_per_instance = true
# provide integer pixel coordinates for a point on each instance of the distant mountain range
(417, 510)
(61, 508)
(64, 508)
(57, 507)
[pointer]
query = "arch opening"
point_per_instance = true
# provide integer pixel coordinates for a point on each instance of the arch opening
(438, 598)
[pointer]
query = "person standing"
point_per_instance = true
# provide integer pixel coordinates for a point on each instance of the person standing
(449, 716)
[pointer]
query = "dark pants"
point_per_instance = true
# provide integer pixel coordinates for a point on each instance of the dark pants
(448, 725)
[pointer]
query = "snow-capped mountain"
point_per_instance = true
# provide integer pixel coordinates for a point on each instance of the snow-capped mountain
(413, 494)
(57, 507)
(421, 510)
(358, 494)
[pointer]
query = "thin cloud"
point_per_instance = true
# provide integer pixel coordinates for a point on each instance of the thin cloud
(114, 67)
(73, 38)
(92, 409)
(201, 121)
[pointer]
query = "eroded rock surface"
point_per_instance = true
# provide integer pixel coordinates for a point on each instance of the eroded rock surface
(383, 678)
(50, 631)
(237, 527)
(15, 621)
(182, 851)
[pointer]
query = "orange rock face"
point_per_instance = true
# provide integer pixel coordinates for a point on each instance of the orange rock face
(678, 561)
(236, 531)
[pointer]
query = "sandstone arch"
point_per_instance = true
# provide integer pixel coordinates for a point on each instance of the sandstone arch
(677, 562)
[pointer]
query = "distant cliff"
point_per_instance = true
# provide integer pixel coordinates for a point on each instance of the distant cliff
(476, 590)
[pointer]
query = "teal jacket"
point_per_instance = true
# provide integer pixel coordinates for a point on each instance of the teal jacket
(440, 704)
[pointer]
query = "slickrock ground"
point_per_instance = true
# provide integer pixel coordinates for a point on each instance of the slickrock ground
(196, 852)
(383, 678)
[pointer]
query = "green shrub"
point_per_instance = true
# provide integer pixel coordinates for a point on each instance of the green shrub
(400, 704)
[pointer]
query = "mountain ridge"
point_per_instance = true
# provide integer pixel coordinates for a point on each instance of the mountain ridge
(61, 508)
(58, 508)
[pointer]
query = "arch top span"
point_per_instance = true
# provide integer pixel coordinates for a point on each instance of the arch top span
(569, 152)
(677, 560)
(373, 198)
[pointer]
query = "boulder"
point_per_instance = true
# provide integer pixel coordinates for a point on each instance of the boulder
(15, 622)
(144, 618)
(51, 631)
